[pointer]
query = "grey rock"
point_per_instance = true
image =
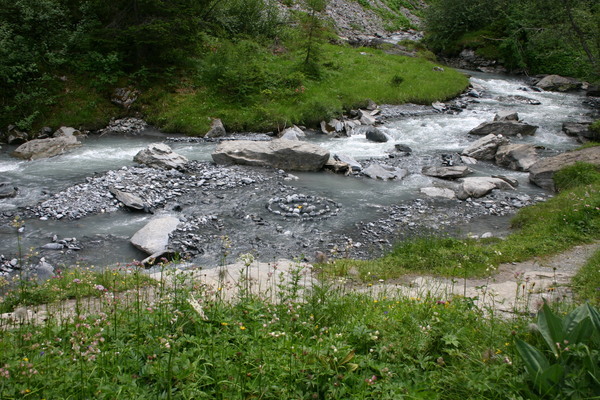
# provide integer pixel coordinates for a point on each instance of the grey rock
(504, 128)
(7, 190)
(337, 166)
(384, 172)
(438, 192)
(375, 135)
(542, 172)
(40, 272)
(354, 165)
(558, 83)
(402, 148)
(511, 181)
(519, 157)
(53, 246)
(477, 187)
(66, 131)
(468, 160)
(518, 99)
(284, 154)
(485, 148)
(506, 116)
(130, 200)
(293, 133)
(447, 172)
(159, 155)
(216, 129)
(366, 117)
(15, 136)
(125, 97)
(154, 236)
(45, 148)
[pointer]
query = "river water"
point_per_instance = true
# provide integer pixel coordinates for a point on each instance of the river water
(361, 200)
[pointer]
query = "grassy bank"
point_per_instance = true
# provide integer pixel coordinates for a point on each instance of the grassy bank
(277, 94)
(251, 87)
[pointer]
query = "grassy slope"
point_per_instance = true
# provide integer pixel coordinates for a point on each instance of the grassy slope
(350, 77)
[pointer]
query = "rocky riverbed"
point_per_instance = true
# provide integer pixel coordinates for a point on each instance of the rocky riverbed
(70, 212)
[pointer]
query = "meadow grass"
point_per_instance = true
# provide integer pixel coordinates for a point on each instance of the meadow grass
(586, 282)
(318, 343)
(349, 77)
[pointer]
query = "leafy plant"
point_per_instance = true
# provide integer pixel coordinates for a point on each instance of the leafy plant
(569, 362)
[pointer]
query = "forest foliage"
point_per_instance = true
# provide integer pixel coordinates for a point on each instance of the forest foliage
(534, 36)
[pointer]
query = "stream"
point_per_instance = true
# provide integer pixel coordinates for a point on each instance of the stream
(232, 202)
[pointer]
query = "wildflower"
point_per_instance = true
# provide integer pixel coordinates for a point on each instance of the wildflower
(77, 281)
(243, 327)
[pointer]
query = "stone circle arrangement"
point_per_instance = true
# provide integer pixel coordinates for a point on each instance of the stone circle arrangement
(303, 207)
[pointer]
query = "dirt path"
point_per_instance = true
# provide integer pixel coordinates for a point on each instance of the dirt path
(515, 287)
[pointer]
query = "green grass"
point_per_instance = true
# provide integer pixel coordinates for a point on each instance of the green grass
(587, 281)
(328, 344)
(343, 84)
(70, 284)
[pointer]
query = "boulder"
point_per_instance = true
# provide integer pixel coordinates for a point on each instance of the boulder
(15, 136)
(352, 163)
(367, 117)
(480, 186)
(216, 129)
(375, 135)
(124, 97)
(402, 148)
(283, 154)
(447, 172)
(558, 83)
(485, 148)
(580, 130)
(7, 190)
(593, 91)
(293, 133)
(504, 128)
(337, 166)
(159, 155)
(66, 131)
(384, 172)
(519, 157)
(506, 116)
(153, 238)
(44, 148)
(518, 99)
(542, 172)
(438, 192)
(468, 160)
(130, 200)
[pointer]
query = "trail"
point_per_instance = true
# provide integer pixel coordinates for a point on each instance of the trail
(513, 288)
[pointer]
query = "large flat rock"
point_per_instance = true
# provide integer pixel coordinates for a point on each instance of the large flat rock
(289, 155)
(45, 148)
(504, 128)
(153, 238)
(542, 172)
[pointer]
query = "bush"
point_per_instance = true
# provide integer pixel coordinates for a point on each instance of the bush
(580, 174)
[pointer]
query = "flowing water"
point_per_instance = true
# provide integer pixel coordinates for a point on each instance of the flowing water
(428, 134)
